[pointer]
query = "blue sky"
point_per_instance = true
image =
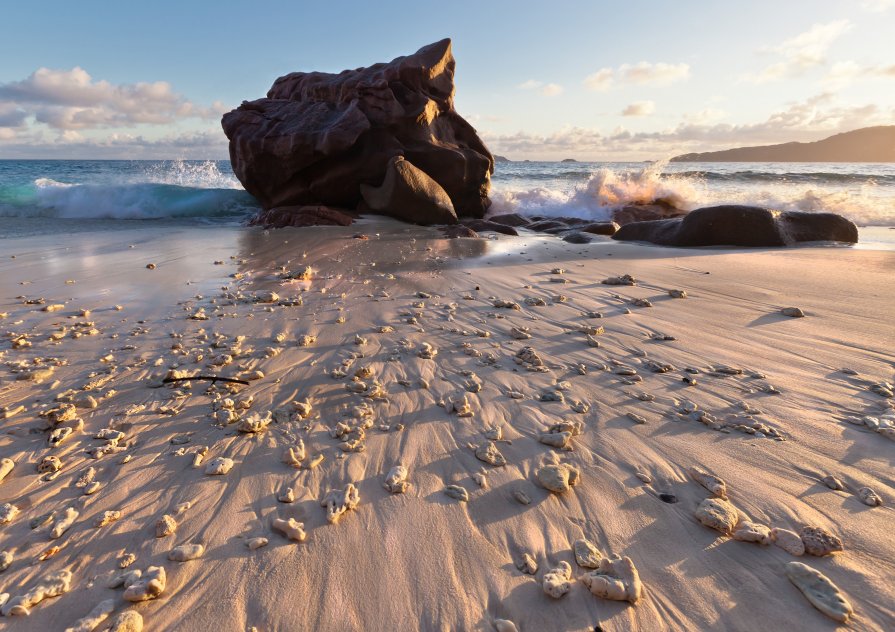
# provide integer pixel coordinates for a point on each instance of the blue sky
(590, 80)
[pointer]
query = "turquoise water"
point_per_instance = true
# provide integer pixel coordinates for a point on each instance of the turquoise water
(105, 189)
(209, 192)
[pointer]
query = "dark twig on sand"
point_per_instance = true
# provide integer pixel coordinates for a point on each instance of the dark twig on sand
(213, 378)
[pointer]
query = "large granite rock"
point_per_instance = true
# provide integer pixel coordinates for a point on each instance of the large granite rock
(314, 215)
(409, 194)
(732, 225)
(318, 137)
(658, 209)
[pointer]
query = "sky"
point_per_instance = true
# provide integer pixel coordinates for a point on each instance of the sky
(634, 80)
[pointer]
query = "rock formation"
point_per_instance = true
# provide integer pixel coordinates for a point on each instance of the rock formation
(385, 138)
(732, 225)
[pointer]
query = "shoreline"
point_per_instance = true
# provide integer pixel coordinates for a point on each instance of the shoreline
(877, 238)
(420, 558)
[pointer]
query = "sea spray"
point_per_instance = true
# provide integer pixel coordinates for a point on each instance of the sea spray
(122, 190)
(864, 193)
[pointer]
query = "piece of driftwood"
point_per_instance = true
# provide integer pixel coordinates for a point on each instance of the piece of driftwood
(213, 378)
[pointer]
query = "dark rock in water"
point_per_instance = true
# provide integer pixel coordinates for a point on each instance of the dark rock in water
(480, 225)
(659, 209)
(281, 216)
(574, 221)
(409, 194)
(668, 498)
(459, 230)
(733, 225)
(510, 219)
(600, 228)
(578, 238)
(547, 226)
(806, 226)
(318, 137)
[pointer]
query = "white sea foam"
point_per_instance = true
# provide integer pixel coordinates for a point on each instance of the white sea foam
(132, 191)
(137, 201)
(605, 189)
(203, 175)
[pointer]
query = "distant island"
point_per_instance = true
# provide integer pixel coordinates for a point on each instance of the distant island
(568, 160)
(869, 144)
(501, 158)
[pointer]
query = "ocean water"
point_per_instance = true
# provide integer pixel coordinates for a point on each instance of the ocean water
(863, 192)
(208, 192)
(125, 190)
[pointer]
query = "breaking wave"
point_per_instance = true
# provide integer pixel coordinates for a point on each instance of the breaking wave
(594, 192)
(160, 190)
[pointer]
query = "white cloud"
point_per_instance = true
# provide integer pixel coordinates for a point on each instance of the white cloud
(545, 89)
(814, 118)
(843, 73)
(639, 108)
(531, 84)
(73, 100)
(802, 52)
(601, 80)
(657, 74)
(209, 144)
(705, 116)
(877, 6)
(11, 115)
(643, 73)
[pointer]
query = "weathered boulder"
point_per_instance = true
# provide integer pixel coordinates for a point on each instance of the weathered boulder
(548, 226)
(600, 228)
(314, 215)
(657, 209)
(732, 225)
(409, 194)
(577, 237)
(484, 225)
(318, 137)
(510, 219)
(459, 230)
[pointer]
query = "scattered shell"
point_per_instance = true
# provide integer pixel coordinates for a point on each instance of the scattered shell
(718, 514)
(557, 581)
(820, 591)
(789, 541)
(616, 579)
(818, 541)
(457, 493)
(558, 478)
(586, 553)
(869, 497)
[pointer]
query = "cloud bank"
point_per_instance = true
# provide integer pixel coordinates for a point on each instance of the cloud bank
(808, 120)
(60, 113)
(643, 73)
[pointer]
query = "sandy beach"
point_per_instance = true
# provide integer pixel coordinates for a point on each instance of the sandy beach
(402, 348)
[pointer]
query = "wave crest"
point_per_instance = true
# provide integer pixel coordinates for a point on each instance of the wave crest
(866, 200)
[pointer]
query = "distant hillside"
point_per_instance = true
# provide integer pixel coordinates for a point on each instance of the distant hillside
(870, 144)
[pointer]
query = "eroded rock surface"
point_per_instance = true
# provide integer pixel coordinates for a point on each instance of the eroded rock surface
(318, 137)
